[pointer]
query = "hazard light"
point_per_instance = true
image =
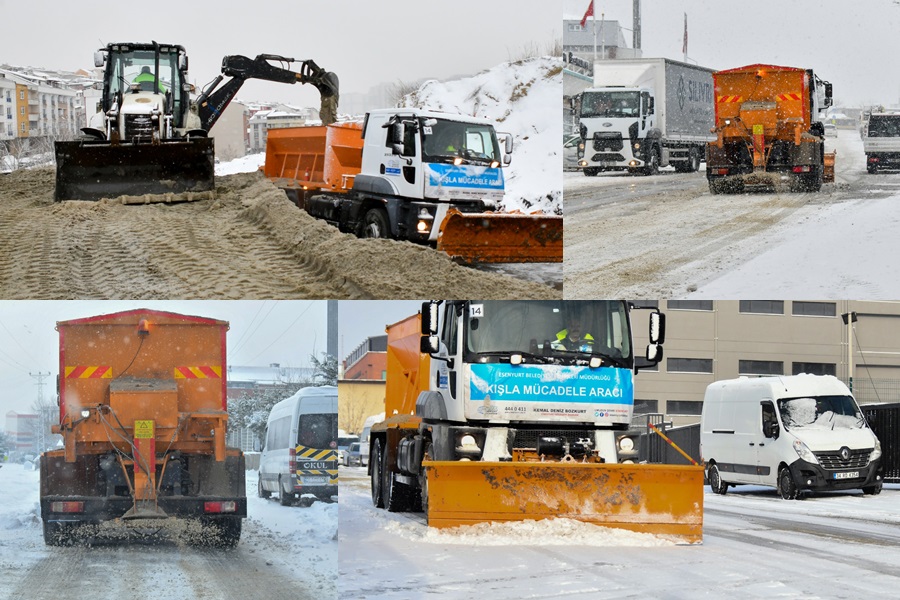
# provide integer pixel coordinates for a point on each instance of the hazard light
(67, 507)
(801, 169)
(228, 506)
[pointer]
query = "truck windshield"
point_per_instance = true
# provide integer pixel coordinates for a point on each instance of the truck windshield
(610, 104)
(445, 141)
(821, 412)
(884, 126)
(318, 431)
(130, 66)
(562, 330)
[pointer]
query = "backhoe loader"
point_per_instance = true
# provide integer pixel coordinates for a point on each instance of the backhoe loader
(149, 136)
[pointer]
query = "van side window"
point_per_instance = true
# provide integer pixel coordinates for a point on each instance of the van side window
(769, 419)
(279, 433)
(317, 430)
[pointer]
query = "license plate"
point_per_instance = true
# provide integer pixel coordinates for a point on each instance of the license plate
(314, 480)
(847, 475)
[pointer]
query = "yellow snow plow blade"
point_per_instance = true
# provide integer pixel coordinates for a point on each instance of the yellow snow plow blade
(501, 237)
(664, 500)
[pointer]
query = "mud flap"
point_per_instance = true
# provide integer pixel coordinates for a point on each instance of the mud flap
(665, 500)
(91, 170)
(501, 237)
(828, 167)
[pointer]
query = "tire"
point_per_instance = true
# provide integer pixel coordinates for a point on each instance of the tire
(58, 534)
(376, 224)
(397, 496)
(786, 486)
(229, 532)
(694, 161)
(284, 498)
(377, 491)
(715, 480)
(591, 171)
(871, 169)
(872, 490)
(423, 486)
(716, 187)
(260, 491)
(652, 166)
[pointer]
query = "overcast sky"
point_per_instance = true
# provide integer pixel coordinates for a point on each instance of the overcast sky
(360, 319)
(261, 333)
(364, 43)
(854, 45)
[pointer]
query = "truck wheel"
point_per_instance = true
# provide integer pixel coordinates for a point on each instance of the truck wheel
(716, 187)
(694, 161)
(715, 480)
(229, 532)
(260, 491)
(652, 166)
(58, 534)
(871, 169)
(285, 498)
(375, 459)
(786, 486)
(591, 171)
(375, 224)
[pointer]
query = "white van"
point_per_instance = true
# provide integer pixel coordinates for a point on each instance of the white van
(300, 455)
(795, 433)
(364, 438)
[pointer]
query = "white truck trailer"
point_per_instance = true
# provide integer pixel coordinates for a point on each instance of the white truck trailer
(646, 113)
(881, 141)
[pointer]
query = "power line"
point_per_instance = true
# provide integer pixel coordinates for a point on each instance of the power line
(286, 330)
(255, 329)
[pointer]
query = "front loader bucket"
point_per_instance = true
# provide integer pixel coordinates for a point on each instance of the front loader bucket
(501, 237)
(91, 170)
(828, 167)
(665, 500)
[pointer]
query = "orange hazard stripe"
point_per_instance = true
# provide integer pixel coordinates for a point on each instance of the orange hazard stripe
(83, 372)
(730, 98)
(789, 97)
(198, 372)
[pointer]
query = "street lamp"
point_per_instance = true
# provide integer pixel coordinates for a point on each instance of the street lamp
(849, 318)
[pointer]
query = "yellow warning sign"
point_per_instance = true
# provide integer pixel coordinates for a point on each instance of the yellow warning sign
(143, 429)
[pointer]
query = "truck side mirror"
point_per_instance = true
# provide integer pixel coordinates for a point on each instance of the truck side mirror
(429, 344)
(772, 430)
(397, 135)
(429, 318)
(654, 353)
(650, 106)
(657, 327)
(99, 59)
(183, 62)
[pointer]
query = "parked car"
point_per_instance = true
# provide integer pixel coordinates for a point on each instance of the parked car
(352, 456)
(830, 130)
(570, 152)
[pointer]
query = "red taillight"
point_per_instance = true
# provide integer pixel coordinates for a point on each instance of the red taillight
(220, 507)
(292, 460)
(67, 507)
(721, 171)
(801, 169)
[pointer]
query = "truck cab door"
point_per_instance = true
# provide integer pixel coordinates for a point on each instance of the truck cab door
(766, 446)
(400, 159)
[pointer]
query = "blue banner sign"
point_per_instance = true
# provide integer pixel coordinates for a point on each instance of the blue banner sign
(550, 383)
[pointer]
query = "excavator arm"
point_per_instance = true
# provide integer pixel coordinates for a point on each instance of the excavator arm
(214, 99)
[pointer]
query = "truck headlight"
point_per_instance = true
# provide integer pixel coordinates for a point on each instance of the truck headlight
(425, 221)
(876, 453)
(804, 452)
(636, 146)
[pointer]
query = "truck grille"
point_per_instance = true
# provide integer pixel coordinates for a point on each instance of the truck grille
(527, 438)
(607, 157)
(832, 461)
(608, 141)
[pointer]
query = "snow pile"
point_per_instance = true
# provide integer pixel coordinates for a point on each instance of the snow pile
(19, 502)
(522, 97)
(546, 532)
(244, 164)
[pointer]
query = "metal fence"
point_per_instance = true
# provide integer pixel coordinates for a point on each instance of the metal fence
(884, 419)
(652, 448)
(867, 391)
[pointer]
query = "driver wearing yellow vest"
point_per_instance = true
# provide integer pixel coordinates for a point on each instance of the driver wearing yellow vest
(572, 337)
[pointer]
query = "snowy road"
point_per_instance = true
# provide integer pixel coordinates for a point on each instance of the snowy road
(842, 545)
(666, 236)
(284, 552)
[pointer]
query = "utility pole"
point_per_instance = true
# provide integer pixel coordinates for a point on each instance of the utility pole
(43, 425)
(849, 319)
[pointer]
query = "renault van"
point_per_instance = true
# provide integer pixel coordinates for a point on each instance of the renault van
(795, 433)
(300, 455)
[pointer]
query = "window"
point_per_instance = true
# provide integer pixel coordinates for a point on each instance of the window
(279, 433)
(813, 368)
(645, 303)
(575, 27)
(814, 309)
(763, 307)
(21, 94)
(689, 365)
(760, 367)
(684, 407)
(690, 304)
(22, 111)
(645, 407)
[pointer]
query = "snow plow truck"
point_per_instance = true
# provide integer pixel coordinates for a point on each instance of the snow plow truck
(493, 415)
(769, 131)
(410, 174)
(142, 414)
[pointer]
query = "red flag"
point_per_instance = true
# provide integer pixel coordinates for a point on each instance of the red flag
(684, 47)
(588, 13)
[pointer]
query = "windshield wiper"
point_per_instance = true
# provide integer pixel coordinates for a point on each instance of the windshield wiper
(607, 358)
(506, 353)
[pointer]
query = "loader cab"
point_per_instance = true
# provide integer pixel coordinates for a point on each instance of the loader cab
(132, 69)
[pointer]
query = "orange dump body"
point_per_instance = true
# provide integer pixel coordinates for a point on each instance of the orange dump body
(407, 368)
(314, 158)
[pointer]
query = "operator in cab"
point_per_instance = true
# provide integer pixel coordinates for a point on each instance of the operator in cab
(573, 338)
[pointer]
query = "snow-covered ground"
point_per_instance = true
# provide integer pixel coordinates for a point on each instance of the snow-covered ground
(291, 548)
(756, 545)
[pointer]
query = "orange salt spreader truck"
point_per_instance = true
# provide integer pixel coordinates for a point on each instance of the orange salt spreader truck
(411, 174)
(492, 414)
(768, 130)
(142, 414)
